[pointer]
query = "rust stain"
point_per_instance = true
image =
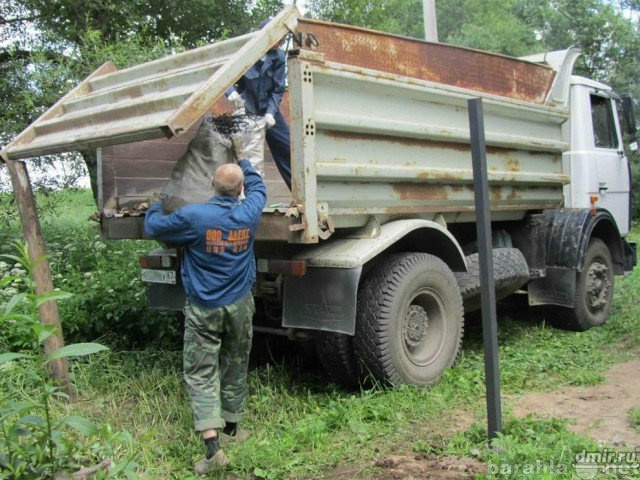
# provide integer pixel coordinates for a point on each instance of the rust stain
(404, 210)
(495, 193)
(411, 142)
(450, 176)
(447, 64)
(413, 191)
(512, 165)
(513, 195)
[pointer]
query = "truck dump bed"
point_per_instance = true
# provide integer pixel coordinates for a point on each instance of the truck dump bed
(379, 128)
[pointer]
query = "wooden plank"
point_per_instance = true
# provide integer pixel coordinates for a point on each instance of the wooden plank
(49, 315)
(139, 187)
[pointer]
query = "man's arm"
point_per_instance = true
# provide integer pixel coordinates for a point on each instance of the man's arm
(279, 80)
(254, 190)
(172, 228)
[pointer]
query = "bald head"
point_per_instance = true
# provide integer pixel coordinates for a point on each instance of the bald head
(227, 180)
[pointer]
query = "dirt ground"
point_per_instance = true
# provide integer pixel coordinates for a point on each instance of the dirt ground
(600, 412)
(428, 466)
(419, 466)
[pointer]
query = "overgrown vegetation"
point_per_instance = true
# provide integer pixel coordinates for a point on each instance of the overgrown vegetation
(302, 426)
(105, 276)
(524, 448)
(35, 442)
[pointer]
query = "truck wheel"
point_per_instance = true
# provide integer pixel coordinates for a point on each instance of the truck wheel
(510, 272)
(594, 291)
(336, 355)
(409, 323)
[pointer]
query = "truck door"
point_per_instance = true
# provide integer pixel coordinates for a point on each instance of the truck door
(612, 173)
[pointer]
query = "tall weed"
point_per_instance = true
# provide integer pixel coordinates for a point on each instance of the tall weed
(34, 441)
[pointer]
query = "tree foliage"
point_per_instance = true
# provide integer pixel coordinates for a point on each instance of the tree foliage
(393, 16)
(605, 31)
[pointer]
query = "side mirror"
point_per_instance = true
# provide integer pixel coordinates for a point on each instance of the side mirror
(630, 121)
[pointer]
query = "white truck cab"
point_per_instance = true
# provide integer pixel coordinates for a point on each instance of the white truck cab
(596, 162)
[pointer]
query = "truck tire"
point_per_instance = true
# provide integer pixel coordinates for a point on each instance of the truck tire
(409, 323)
(594, 291)
(510, 272)
(335, 351)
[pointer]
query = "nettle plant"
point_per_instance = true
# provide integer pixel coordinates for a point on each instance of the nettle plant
(36, 440)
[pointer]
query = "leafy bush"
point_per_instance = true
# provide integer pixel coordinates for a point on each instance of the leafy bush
(35, 443)
(111, 300)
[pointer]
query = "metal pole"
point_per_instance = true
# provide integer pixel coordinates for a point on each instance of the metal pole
(430, 20)
(487, 283)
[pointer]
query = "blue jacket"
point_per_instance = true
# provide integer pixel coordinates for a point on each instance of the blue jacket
(263, 85)
(218, 267)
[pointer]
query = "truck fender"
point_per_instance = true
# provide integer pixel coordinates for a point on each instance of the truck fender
(567, 239)
(325, 298)
(569, 232)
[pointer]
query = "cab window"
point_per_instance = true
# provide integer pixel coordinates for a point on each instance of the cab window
(604, 129)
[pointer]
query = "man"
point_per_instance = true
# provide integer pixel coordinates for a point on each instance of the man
(260, 90)
(218, 271)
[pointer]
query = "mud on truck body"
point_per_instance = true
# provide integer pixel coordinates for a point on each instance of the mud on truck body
(373, 253)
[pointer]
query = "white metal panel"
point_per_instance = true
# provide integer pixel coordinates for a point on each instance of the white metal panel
(389, 146)
(352, 253)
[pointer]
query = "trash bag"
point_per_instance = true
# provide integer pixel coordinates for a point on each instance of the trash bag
(219, 140)
(247, 135)
(191, 177)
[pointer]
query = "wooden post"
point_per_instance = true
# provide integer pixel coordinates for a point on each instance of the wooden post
(49, 315)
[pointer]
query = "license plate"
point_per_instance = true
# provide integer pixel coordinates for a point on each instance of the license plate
(159, 276)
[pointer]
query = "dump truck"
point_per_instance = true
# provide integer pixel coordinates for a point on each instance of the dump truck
(373, 252)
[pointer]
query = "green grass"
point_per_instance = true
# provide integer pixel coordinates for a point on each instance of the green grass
(634, 418)
(302, 427)
(526, 448)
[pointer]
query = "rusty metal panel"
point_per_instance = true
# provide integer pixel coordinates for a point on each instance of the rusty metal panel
(377, 144)
(135, 173)
(437, 62)
(157, 99)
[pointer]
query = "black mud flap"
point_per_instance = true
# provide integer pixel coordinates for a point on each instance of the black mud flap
(568, 232)
(630, 256)
(324, 299)
(558, 287)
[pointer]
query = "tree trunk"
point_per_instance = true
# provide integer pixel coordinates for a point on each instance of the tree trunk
(91, 160)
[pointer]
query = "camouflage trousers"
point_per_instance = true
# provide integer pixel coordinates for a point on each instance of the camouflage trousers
(217, 342)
